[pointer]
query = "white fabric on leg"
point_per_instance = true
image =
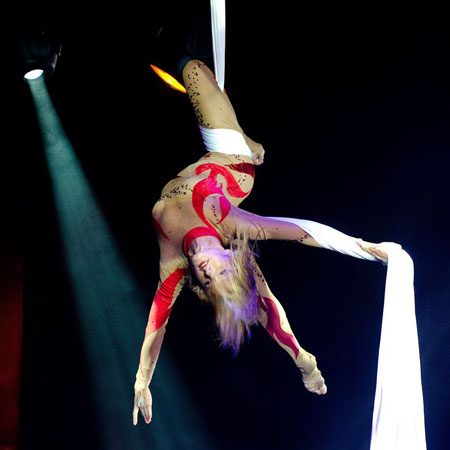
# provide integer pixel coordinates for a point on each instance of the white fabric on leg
(224, 140)
(218, 39)
(398, 418)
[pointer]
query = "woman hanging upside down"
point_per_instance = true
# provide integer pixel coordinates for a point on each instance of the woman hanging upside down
(204, 238)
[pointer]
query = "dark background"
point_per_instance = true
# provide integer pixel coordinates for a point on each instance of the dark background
(351, 102)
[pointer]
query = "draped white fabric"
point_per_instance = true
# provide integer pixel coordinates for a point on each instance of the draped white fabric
(218, 38)
(398, 418)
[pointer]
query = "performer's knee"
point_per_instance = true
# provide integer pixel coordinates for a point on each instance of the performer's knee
(190, 66)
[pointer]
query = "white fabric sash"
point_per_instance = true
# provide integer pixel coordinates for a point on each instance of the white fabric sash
(224, 140)
(398, 418)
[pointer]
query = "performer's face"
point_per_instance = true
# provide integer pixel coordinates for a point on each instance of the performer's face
(213, 268)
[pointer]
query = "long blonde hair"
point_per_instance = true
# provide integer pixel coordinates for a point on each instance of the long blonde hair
(236, 309)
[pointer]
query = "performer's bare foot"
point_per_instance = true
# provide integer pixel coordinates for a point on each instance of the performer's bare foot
(312, 376)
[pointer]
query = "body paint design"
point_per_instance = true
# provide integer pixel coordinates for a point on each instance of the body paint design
(196, 232)
(301, 239)
(209, 186)
(244, 167)
(273, 326)
(194, 93)
(159, 229)
(162, 303)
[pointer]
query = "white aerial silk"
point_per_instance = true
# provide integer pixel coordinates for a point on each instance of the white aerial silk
(218, 39)
(398, 418)
(224, 140)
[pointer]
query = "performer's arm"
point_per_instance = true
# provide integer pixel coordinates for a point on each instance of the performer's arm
(273, 318)
(282, 228)
(265, 228)
(169, 287)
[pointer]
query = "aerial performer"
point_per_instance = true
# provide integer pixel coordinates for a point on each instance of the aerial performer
(204, 239)
(206, 242)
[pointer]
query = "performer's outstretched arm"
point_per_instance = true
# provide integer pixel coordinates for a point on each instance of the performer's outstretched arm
(282, 228)
(273, 318)
(169, 287)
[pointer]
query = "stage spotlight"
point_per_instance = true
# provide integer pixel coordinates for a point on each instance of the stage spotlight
(39, 54)
(33, 74)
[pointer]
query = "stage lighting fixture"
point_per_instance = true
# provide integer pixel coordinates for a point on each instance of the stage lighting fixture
(33, 74)
(40, 52)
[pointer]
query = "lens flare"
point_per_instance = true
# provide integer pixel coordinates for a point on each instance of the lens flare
(169, 79)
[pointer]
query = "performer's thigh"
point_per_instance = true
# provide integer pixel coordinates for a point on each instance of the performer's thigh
(211, 105)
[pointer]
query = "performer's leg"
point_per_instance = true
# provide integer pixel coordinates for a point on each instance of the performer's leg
(273, 318)
(211, 106)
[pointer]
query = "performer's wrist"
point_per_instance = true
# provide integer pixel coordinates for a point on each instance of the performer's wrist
(378, 251)
(143, 378)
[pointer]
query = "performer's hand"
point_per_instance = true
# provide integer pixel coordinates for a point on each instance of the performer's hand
(377, 250)
(143, 403)
(258, 155)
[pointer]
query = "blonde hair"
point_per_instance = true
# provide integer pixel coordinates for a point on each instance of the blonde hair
(236, 309)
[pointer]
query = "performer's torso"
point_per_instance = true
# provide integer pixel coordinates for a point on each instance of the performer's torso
(201, 196)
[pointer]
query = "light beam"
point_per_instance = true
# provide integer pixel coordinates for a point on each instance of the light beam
(110, 308)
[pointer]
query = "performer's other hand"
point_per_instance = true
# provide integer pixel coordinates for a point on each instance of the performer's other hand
(143, 403)
(258, 155)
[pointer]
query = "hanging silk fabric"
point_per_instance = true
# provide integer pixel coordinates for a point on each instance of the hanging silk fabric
(398, 418)
(218, 40)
